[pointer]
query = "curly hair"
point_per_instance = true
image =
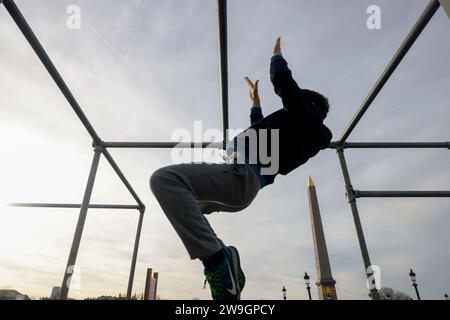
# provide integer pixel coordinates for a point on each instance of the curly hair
(318, 100)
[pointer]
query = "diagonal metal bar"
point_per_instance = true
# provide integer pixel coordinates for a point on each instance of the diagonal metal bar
(123, 178)
(73, 206)
(135, 254)
(48, 64)
(423, 20)
(19, 19)
(223, 57)
(80, 226)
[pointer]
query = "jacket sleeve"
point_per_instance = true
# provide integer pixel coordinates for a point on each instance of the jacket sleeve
(255, 114)
(286, 88)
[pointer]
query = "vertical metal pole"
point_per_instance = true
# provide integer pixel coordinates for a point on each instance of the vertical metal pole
(223, 57)
(417, 291)
(135, 253)
(309, 292)
(80, 225)
(359, 231)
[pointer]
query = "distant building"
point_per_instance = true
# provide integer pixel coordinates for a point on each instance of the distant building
(109, 298)
(151, 284)
(10, 294)
(55, 293)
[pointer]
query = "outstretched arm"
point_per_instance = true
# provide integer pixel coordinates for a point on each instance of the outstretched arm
(255, 111)
(283, 83)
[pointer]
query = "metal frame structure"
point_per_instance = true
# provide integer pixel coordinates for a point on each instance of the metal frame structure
(342, 143)
(101, 147)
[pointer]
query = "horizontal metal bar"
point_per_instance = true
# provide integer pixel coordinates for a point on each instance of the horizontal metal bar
(401, 194)
(48, 64)
(390, 145)
(123, 178)
(423, 20)
(163, 145)
(73, 206)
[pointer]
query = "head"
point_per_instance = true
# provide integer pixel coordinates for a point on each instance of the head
(318, 100)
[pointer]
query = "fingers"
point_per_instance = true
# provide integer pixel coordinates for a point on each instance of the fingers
(278, 41)
(253, 86)
(277, 48)
(249, 82)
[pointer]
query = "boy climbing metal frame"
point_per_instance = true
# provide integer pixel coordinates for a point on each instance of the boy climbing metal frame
(101, 147)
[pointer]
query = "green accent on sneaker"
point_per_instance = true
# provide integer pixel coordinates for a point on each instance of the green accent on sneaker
(226, 282)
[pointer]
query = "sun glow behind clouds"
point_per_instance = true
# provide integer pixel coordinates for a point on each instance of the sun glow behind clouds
(35, 167)
(12, 158)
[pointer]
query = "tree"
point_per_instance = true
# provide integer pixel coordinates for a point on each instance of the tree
(391, 294)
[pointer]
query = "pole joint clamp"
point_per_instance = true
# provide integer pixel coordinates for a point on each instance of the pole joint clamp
(98, 145)
(351, 194)
(339, 147)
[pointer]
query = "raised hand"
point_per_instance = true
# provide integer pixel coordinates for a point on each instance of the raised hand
(277, 48)
(254, 96)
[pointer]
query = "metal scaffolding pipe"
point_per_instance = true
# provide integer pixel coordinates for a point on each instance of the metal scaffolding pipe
(391, 145)
(423, 20)
(163, 145)
(357, 221)
(48, 64)
(73, 206)
(123, 178)
(401, 194)
(80, 226)
(223, 57)
(135, 254)
(340, 145)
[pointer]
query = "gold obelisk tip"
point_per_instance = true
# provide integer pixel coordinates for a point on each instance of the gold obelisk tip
(310, 182)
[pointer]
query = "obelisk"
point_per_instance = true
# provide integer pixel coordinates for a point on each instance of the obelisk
(325, 281)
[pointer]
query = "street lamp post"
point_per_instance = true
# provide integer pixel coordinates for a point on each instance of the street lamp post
(307, 282)
(412, 275)
(284, 293)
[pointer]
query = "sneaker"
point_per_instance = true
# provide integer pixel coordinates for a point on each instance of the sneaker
(225, 282)
(240, 273)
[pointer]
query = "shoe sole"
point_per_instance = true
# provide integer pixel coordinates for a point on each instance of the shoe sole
(235, 265)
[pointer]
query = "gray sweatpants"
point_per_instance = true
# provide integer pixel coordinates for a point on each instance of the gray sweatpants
(186, 192)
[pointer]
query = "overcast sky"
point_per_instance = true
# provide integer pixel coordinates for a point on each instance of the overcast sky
(142, 69)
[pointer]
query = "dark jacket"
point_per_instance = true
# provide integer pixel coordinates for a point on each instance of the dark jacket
(302, 133)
